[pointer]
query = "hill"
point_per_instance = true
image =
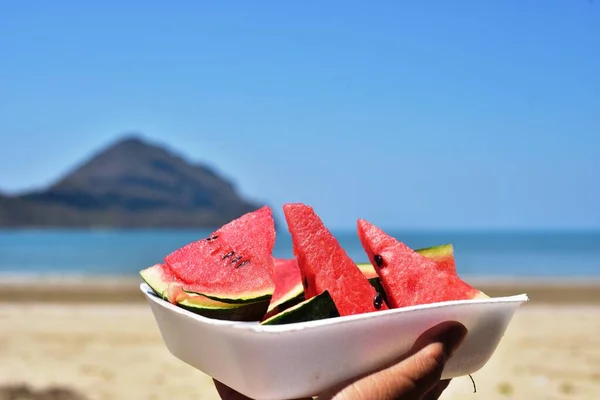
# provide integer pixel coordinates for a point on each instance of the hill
(130, 184)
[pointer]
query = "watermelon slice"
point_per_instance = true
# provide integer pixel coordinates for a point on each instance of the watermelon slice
(325, 266)
(313, 309)
(166, 285)
(408, 277)
(288, 286)
(234, 264)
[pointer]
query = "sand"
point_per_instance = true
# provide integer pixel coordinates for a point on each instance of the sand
(114, 350)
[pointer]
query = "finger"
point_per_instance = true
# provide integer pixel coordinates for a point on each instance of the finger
(436, 392)
(417, 374)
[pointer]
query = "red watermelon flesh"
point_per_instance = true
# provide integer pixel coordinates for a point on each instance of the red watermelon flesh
(408, 277)
(234, 264)
(324, 264)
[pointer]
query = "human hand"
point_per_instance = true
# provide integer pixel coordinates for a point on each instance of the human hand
(416, 377)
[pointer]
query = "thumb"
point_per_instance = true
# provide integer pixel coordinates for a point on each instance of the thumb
(421, 372)
(417, 374)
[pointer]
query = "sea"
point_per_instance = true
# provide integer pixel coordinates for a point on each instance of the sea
(39, 253)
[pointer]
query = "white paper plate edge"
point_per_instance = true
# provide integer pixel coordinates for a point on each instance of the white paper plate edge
(256, 327)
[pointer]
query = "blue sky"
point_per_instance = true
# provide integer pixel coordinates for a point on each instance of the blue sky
(437, 114)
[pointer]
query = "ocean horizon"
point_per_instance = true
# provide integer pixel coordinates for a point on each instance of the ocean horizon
(123, 252)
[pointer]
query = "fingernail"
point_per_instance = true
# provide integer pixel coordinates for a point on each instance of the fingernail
(452, 338)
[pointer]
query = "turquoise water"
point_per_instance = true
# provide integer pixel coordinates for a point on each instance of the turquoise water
(80, 252)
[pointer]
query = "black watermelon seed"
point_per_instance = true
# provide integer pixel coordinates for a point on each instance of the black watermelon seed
(305, 283)
(212, 238)
(378, 260)
(238, 258)
(228, 254)
(378, 301)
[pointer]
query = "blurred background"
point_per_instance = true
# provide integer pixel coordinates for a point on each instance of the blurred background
(128, 129)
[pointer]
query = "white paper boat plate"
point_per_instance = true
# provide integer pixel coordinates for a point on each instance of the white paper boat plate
(281, 362)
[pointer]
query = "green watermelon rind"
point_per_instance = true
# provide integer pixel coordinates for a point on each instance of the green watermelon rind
(211, 308)
(247, 297)
(316, 308)
(435, 252)
(292, 297)
(248, 312)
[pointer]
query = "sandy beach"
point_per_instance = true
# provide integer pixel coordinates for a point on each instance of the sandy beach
(82, 341)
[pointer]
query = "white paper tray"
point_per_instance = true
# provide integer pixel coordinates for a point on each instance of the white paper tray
(301, 360)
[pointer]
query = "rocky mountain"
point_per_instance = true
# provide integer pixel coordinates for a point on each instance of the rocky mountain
(130, 184)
